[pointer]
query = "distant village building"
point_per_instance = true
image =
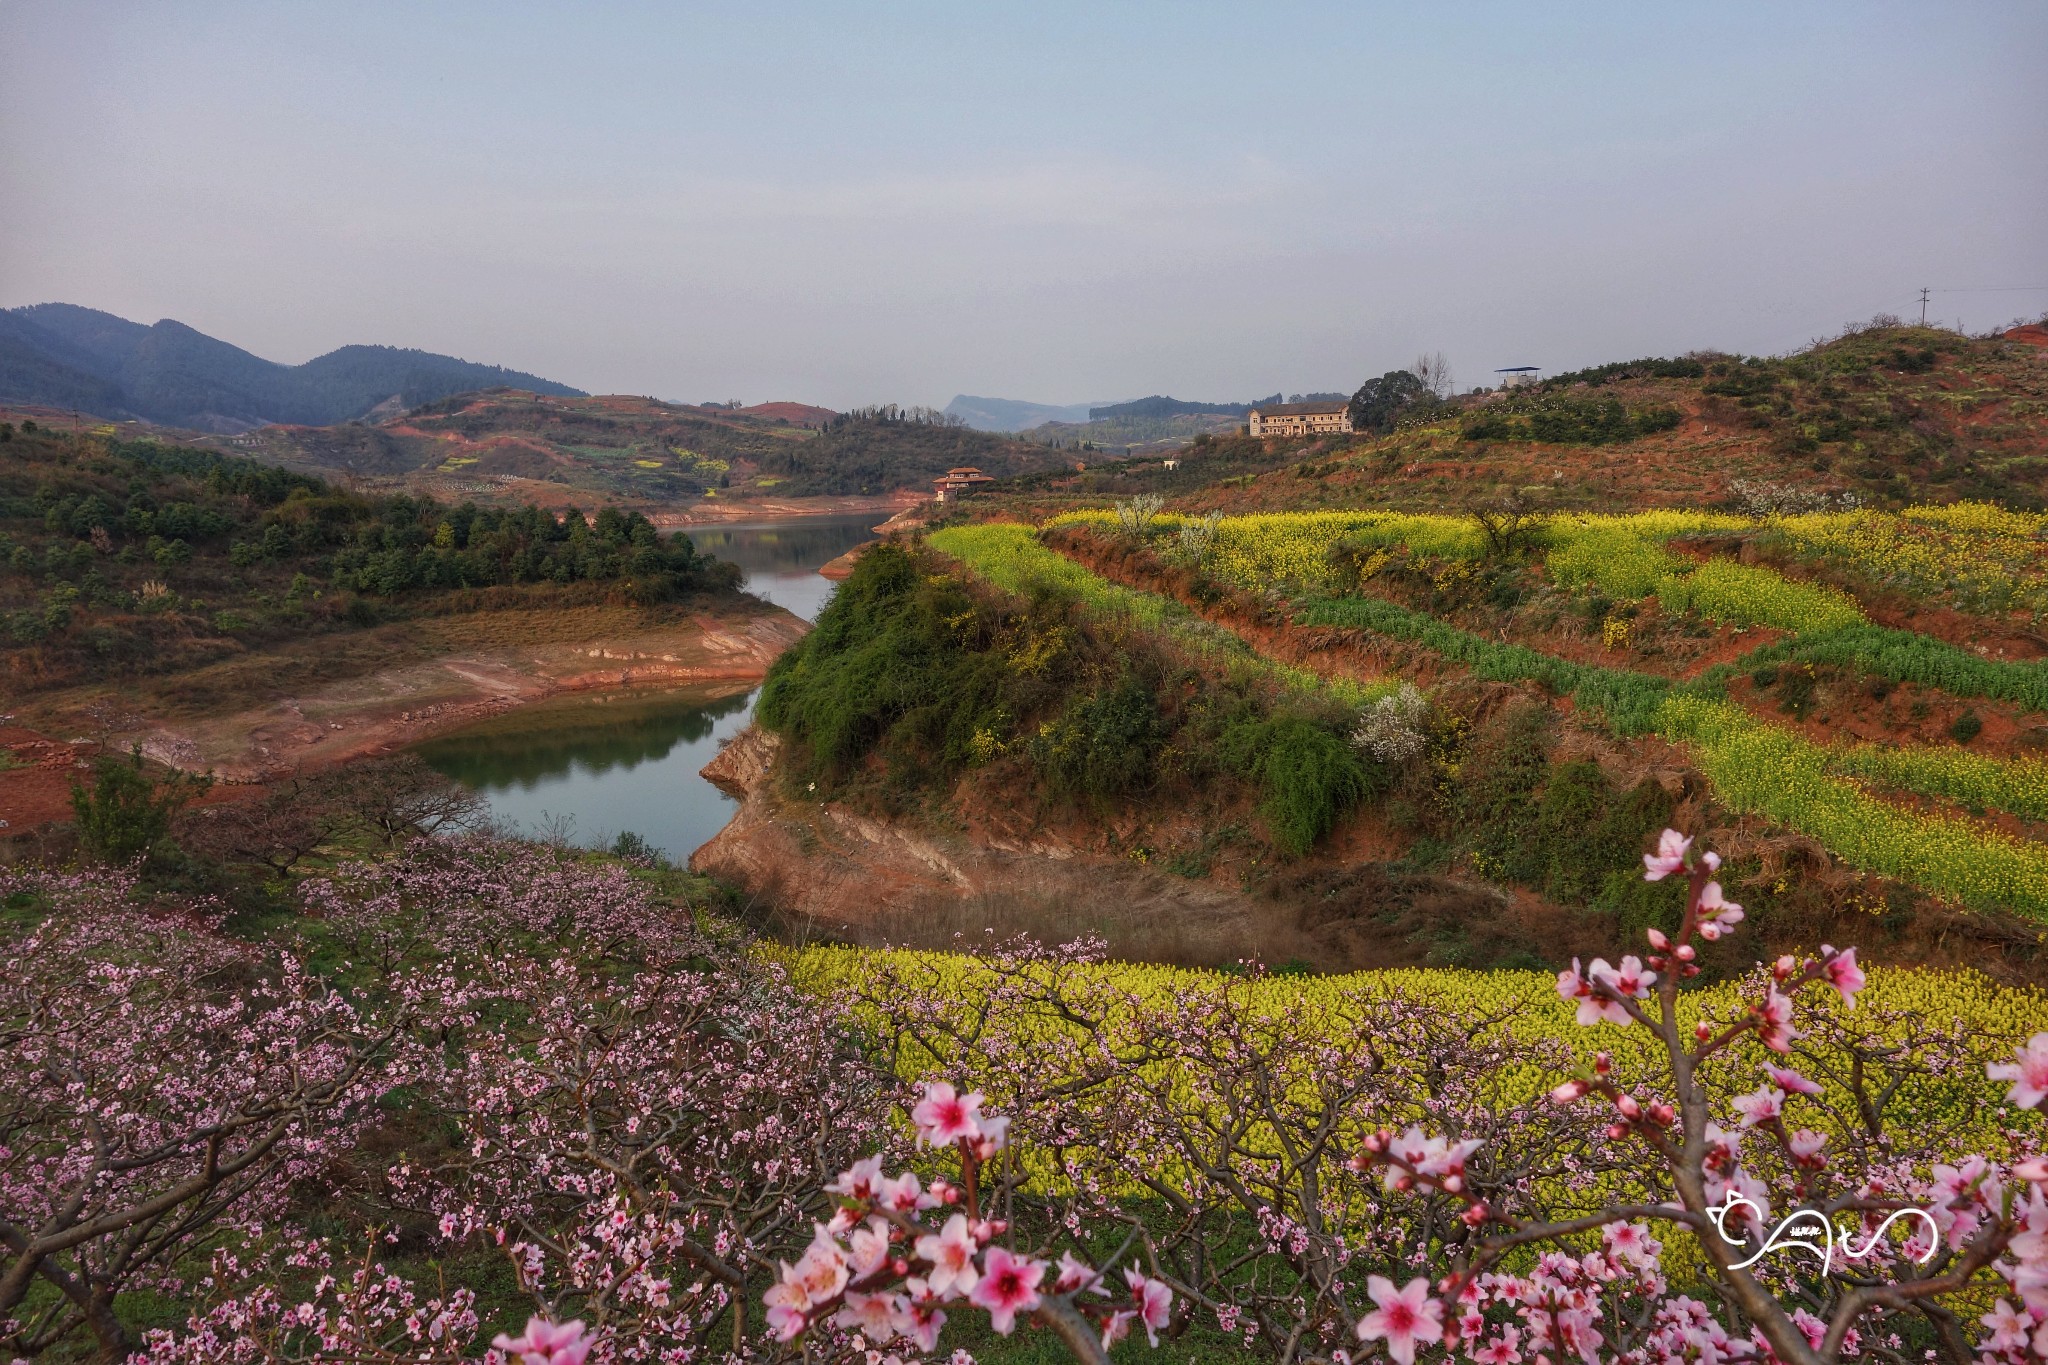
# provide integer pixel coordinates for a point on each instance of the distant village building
(1300, 419)
(958, 483)
(1172, 462)
(1514, 376)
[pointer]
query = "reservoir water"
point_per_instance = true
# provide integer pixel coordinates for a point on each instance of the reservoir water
(596, 765)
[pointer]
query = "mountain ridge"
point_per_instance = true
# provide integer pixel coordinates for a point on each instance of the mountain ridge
(1011, 415)
(67, 356)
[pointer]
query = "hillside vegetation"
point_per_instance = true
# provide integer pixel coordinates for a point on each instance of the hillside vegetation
(505, 444)
(134, 558)
(1891, 415)
(1720, 609)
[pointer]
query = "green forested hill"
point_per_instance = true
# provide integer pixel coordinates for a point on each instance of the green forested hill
(140, 558)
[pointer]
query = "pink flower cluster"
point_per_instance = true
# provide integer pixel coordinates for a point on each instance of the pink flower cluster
(876, 1270)
(1963, 1204)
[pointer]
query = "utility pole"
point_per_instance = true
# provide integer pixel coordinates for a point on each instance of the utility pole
(1923, 307)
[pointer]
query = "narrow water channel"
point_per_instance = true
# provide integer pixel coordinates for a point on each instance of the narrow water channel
(595, 766)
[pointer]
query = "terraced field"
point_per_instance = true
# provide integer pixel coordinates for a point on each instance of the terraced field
(1954, 819)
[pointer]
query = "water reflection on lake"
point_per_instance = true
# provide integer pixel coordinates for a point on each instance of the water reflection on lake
(618, 761)
(782, 558)
(609, 762)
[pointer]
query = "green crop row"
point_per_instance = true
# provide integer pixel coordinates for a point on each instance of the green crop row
(1761, 769)
(1009, 556)
(1903, 656)
(1628, 700)
(2016, 786)
(1631, 702)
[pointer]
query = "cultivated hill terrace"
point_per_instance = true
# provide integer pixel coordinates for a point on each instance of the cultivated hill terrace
(1770, 600)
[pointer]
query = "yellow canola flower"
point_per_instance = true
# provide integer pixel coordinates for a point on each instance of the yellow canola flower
(1340, 1010)
(1747, 594)
(1978, 556)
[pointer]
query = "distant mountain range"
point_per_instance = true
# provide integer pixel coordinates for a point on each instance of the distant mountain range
(63, 356)
(1158, 407)
(1012, 414)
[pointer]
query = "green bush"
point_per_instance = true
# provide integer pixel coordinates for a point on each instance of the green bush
(1568, 421)
(1106, 744)
(1587, 831)
(1310, 777)
(1637, 905)
(1495, 802)
(126, 813)
(1652, 367)
(890, 665)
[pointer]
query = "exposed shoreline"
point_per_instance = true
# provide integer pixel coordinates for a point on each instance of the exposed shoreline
(780, 509)
(396, 707)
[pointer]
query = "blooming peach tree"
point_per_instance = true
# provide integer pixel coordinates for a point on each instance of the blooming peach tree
(896, 1255)
(1387, 1189)
(163, 1088)
(637, 1116)
(495, 1053)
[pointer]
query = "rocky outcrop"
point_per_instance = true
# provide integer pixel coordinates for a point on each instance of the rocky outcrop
(840, 569)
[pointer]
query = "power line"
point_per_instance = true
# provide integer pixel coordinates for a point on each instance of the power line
(1998, 289)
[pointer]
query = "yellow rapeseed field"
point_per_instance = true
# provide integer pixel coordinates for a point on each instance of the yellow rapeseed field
(1994, 1017)
(1972, 555)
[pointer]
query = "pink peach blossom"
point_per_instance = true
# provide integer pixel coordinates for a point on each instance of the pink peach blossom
(1404, 1317)
(1008, 1286)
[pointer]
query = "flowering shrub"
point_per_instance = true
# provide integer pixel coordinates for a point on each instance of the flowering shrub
(1134, 516)
(163, 1088)
(1394, 728)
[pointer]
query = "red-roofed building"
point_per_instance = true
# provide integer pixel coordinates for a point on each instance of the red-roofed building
(957, 483)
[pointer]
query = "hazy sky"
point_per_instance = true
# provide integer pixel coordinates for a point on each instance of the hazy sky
(860, 203)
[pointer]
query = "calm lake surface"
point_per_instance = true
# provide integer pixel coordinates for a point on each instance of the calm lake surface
(616, 761)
